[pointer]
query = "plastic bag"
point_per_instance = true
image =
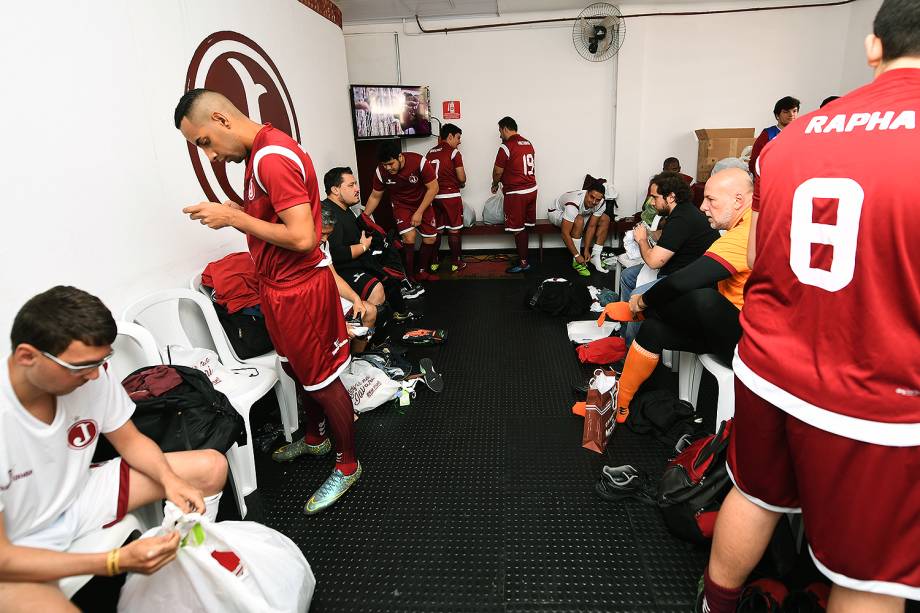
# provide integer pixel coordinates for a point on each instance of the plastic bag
(225, 380)
(368, 386)
(493, 212)
(226, 567)
(469, 216)
(585, 331)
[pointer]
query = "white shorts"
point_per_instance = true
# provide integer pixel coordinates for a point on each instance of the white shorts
(102, 502)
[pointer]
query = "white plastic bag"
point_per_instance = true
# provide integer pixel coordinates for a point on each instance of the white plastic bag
(469, 216)
(368, 386)
(585, 331)
(493, 212)
(225, 567)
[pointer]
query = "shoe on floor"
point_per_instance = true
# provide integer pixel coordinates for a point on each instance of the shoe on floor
(618, 483)
(410, 290)
(331, 490)
(404, 316)
(300, 447)
(434, 267)
(457, 267)
(762, 596)
(580, 268)
(517, 268)
(432, 378)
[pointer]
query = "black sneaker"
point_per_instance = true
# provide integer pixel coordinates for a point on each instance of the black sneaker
(618, 483)
(410, 290)
(404, 316)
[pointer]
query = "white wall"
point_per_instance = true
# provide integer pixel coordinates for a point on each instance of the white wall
(562, 103)
(94, 173)
(673, 75)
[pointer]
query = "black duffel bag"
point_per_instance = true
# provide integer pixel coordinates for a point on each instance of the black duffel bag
(180, 410)
(246, 331)
(693, 486)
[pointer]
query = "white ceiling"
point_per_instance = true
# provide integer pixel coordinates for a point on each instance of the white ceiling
(357, 11)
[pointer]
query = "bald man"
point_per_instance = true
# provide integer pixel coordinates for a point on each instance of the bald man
(684, 312)
(280, 215)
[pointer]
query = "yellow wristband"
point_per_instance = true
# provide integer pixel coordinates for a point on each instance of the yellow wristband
(111, 563)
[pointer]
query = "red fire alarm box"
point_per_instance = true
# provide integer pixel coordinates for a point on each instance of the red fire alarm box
(451, 109)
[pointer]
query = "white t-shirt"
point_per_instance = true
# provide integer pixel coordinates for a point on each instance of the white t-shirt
(572, 204)
(43, 467)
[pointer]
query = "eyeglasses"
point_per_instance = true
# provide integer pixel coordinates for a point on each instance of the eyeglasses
(78, 369)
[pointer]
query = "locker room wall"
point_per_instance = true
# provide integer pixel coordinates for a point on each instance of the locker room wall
(94, 174)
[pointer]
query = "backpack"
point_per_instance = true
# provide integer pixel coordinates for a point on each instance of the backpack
(559, 297)
(693, 486)
(180, 410)
(245, 330)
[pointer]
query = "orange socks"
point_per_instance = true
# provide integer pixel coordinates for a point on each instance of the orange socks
(638, 367)
(618, 311)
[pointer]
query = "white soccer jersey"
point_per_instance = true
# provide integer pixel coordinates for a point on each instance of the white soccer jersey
(572, 204)
(43, 467)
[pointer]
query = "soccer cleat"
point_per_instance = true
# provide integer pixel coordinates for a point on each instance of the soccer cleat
(300, 447)
(331, 490)
(410, 290)
(599, 264)
(580, 268)
(457, 267)
(699, 607)
(404, 316)
(434, 267)
(432, 378)
(421, 336)
(517, 268)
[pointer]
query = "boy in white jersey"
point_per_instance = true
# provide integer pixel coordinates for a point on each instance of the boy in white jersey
(56, 398)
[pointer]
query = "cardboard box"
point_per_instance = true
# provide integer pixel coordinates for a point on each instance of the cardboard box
(718, 143)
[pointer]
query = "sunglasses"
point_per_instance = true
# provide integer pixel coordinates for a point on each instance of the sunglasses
(78, 369)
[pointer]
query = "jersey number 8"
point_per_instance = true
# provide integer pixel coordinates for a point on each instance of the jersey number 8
(804, 232)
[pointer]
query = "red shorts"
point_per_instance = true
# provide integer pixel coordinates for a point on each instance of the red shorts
(520, 211)
(859, 501)
(305, 322)
(403, 217)
(449, 213)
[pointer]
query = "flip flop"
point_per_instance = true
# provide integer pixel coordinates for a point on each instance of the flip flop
(432, 378)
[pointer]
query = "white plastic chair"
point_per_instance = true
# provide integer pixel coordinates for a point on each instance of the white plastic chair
(187, 318)
(134, 348)
(725, 378)
(285, 388)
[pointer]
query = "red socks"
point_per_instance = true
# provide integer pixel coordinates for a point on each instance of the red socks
(453, 240)
(340, 414)
(520, 241)
(718, 599)
(428, 254)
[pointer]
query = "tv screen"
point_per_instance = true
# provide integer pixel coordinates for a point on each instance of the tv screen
(390, 111)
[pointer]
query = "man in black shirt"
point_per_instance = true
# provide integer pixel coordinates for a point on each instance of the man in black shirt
(351, 249)
(685, 236)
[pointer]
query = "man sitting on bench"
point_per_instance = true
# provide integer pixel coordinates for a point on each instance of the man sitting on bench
(580, 213)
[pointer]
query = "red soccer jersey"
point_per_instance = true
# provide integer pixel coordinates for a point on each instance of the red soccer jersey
(831, 316)
(516, 157)
(446, 160)
(406, 187)
(279, 175)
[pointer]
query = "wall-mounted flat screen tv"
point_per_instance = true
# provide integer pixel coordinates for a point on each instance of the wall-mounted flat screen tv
(390, 111)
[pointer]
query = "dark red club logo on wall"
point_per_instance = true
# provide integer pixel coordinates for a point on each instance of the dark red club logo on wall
(234, 65)
(82, 433)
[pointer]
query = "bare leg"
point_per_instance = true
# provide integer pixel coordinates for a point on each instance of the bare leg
(205, 469)
(845, 600)
(34, 597)
(743, 531)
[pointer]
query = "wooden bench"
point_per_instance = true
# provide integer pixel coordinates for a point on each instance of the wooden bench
(543, 226)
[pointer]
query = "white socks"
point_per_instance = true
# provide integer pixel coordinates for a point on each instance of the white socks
(577, 242)
(596, 258)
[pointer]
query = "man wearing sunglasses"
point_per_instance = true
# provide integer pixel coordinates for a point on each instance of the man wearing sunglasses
(56, 398)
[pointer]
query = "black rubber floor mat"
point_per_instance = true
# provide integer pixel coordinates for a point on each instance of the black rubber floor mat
(481, 498)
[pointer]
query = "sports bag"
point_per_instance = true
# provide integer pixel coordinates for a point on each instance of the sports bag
(245, 330)
(557, 296)
(661, 414)
(185, 412)
(693, 486)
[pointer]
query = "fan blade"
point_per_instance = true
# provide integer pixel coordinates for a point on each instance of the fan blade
(587, 31)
